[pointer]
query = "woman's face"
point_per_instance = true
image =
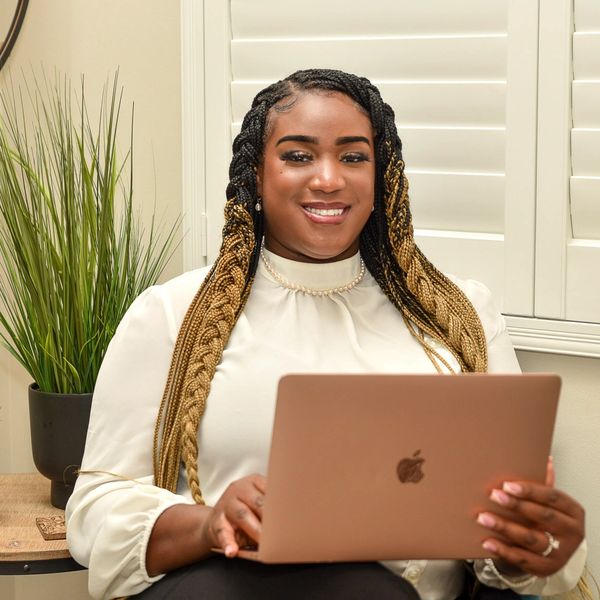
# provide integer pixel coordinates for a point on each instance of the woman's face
(317, 178)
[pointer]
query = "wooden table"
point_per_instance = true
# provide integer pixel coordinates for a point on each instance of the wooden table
(23, 551)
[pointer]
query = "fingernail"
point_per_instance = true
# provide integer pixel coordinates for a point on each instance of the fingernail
(486, 520)
(229, 551)
(500, 497)
(512, 488)
(490, 546)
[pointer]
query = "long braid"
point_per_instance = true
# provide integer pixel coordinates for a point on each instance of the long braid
(425, 297)
(203, 335)
(450, 317)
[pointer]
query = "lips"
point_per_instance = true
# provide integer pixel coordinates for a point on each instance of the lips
(331, 214)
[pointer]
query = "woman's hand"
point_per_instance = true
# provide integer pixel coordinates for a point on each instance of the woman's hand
(236, 518)
(555, 527)
(185, 533)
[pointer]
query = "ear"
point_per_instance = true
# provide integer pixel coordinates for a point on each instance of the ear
(259, 179)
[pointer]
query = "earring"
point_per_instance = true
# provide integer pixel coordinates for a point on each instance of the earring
(372, 208)
(258, 205)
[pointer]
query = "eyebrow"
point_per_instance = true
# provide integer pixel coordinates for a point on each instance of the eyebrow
(348, 139)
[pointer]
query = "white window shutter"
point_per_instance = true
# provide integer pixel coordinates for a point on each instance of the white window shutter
(568, 247)
(444, 69)
(498, 106)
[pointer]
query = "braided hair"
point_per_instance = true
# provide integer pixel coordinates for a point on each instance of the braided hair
(428, 301)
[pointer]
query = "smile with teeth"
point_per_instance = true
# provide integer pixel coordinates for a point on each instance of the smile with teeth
(325, 212)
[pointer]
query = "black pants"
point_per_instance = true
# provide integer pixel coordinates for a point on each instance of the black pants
(219, 578)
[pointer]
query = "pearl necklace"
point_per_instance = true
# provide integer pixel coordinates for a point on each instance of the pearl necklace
(294, 287)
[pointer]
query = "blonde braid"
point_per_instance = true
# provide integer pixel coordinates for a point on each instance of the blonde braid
(198, 350)
(453, 320)
(586, 589)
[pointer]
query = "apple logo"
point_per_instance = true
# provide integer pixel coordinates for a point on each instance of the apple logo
(409, 469)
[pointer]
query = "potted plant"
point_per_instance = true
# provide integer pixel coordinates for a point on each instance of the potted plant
(73, 256)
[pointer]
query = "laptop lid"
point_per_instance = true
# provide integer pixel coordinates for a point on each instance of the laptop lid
(376, 467)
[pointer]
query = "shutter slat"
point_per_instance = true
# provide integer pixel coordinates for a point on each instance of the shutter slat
(458, 104)
(472, 150)
(457, 201)
(586, 103)
(441, 58)
(586, 55)
(583, 283)
(585, 207)
(418, 103)
(587, 15)
(265, 18)
(585, 151)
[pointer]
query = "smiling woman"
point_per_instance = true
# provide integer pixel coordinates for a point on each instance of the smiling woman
(12, 13)
(318, 272)
(317, 178)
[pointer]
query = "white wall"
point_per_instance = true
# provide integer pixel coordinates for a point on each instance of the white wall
(95, 37)
(576, 448)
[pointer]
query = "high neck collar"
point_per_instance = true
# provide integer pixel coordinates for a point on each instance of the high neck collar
(316, 276)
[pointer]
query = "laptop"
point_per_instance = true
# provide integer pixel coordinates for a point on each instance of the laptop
(380, 467)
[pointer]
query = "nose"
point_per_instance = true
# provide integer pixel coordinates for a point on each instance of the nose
(328, 176)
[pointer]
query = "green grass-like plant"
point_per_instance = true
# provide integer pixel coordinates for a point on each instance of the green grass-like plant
(73, 255)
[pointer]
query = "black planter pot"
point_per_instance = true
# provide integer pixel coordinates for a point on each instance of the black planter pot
(58, 428)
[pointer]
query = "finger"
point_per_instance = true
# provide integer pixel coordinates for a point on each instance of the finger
(524, 559)
(241, 516)
(550, 472)
(260, 482)
(537, 501)
(225, 536)
(250, 491)
(515, 533)
(253, 498)
(243, 541)
(547, 518)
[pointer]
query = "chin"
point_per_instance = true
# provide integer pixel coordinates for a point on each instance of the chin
(331, 254)
(311, 248)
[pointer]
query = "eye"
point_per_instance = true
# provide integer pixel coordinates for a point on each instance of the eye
(355, 157)
(296, 156)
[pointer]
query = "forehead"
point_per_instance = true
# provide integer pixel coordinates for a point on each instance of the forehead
(319, 114)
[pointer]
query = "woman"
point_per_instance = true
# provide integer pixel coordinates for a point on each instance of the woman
(338, 285)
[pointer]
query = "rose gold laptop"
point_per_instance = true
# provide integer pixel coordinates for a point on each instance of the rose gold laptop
(375, 467)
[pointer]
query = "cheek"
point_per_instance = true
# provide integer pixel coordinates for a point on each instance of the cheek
(282, 182)
(370, 184)
(365, 185)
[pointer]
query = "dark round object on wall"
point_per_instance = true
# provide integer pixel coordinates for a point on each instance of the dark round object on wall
(6, 44)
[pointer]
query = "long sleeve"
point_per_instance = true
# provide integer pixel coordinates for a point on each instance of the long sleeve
(559, 583)
(114, 505)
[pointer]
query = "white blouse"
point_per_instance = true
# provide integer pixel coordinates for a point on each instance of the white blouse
(114, 507)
